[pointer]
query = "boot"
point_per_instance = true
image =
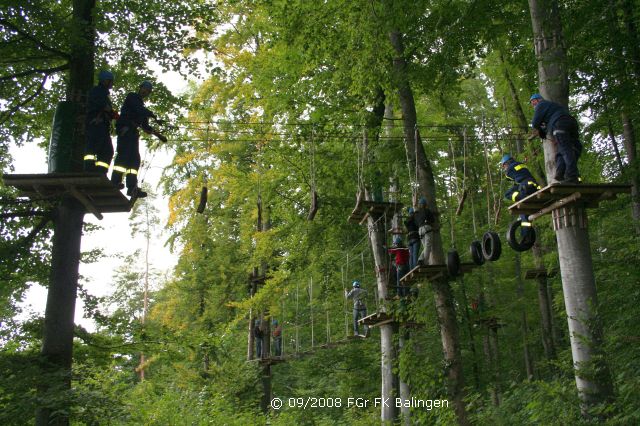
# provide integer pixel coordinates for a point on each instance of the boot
(136, 192)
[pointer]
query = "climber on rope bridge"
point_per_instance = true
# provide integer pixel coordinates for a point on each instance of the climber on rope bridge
(99, 148)
(524, 184)
(359, 307)
(133, 115)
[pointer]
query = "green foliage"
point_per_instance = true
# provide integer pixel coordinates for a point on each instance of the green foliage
(282, 113)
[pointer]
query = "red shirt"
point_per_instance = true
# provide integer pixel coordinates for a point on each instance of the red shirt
(402, 255)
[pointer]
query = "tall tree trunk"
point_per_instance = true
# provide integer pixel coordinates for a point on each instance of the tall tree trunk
(629, 138)
(57, 342)
(405, 390)
(524, 324)
(570, 224)
(377, 238)
(543, 300)
(544, 303)
(632, 52)
(443, 295)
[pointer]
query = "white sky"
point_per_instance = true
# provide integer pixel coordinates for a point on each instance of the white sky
(115, 237)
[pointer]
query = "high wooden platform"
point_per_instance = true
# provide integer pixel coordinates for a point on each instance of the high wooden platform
(381, 318)
(433, 272)
(532, 274)
(553, 197)
(269, 361)
(94, 191)
(493, 323)
(366, 208)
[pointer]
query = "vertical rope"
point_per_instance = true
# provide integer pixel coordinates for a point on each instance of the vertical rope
(311, 307)
(489, 178)
(297, 316)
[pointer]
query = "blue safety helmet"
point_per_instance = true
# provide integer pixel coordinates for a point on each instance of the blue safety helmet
(356, 284)
(146, 85)
(105, 75)
(410, 210)
(422, 201)
(535, 96)
(275, 322)
(505, 158)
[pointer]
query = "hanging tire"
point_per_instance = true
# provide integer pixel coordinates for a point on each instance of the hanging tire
(476, 253)
(512, 237)
(453, 263)
(491, 246)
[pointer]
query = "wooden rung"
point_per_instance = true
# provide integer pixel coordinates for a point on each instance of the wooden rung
(84, 201)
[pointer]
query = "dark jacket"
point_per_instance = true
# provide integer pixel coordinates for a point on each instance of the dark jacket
(424, 217)
(546, 115)
(412, 228)
(99, 105)
(524, 182)
(133, 113)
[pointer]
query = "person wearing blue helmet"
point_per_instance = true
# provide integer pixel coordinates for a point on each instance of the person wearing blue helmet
(524, 184)
(425, 219)
(359, 307)
(133, 116)
(99, 148)
(413, 237)
(553, 119)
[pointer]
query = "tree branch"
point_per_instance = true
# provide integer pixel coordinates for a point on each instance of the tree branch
(4, 117)
(31, 38)
(29, 213)
(46, 71)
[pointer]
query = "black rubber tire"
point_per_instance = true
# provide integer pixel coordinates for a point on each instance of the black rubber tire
(453, 263)
(476, 253)
(512, 238)
(491, 246)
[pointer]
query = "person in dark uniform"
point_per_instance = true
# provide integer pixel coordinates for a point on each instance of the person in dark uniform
(413, 238)
(133, 116)
(524, 184)
(99, 149)
(552, 118)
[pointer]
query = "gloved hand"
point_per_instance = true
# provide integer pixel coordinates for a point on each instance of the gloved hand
(115, 115)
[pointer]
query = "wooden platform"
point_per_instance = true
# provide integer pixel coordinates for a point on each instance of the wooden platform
(532, 274)
(381, 318)
(95, 192)
(269, 361)
(433, 272)
(366, 208)
(493, 323)
(555, 196)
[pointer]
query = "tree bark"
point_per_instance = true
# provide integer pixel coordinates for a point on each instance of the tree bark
(524, 324)
(544, 303)
(377, 238)
(57, 342)
(570, 224)
(443, 295)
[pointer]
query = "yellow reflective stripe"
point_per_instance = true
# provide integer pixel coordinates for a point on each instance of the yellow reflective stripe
(519, 167)
(90, 157)
(525, 223)
(102, 164)
(514, 195)
(119, 169)
(132, 171)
